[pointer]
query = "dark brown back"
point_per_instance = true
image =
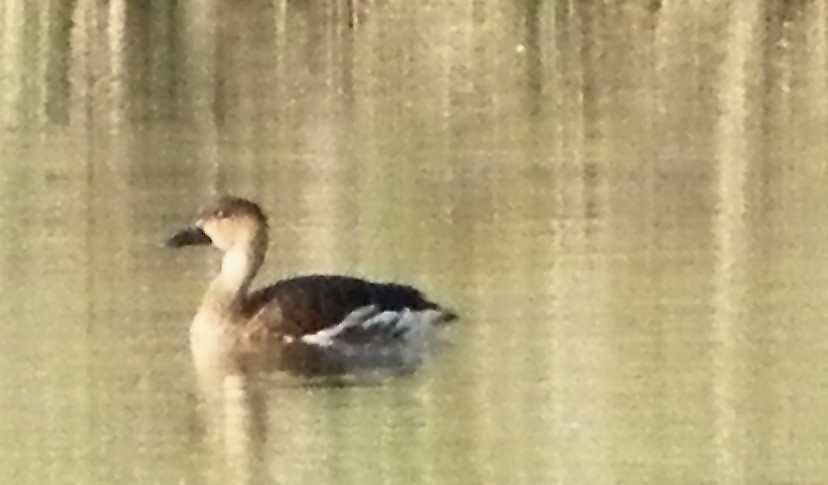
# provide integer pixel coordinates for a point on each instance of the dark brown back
(307, 304)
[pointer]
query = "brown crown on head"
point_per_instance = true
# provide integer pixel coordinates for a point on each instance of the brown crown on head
(230, 206)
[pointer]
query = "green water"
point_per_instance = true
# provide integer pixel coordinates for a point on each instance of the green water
(623, 200)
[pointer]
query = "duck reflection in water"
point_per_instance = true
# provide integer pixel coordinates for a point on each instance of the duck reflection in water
(308, 325)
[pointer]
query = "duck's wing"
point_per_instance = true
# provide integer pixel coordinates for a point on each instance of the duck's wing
(307, 305)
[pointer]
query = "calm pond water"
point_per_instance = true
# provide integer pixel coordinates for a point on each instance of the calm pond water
(625, 201)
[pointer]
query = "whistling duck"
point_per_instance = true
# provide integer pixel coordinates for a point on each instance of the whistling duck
(318, 324)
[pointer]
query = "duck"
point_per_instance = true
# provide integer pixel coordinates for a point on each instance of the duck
(318, 324)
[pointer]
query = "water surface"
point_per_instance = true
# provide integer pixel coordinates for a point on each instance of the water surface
(624, 200)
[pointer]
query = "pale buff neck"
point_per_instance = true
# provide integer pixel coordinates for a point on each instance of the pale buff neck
(238, 268)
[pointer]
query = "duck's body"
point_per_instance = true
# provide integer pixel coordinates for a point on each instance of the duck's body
(317, 324)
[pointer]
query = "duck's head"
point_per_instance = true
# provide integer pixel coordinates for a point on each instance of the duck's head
(226, 223)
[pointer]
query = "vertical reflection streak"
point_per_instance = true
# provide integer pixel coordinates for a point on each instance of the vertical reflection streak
(729, 228)
(117, 49)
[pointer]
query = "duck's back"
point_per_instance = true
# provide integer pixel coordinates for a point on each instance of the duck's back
(307, 304)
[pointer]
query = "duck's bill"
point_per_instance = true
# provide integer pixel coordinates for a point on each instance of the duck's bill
(192, 236)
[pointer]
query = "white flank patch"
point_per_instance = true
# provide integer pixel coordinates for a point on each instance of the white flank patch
(368, 338)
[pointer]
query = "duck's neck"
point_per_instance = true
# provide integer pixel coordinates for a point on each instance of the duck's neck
(238, 268)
